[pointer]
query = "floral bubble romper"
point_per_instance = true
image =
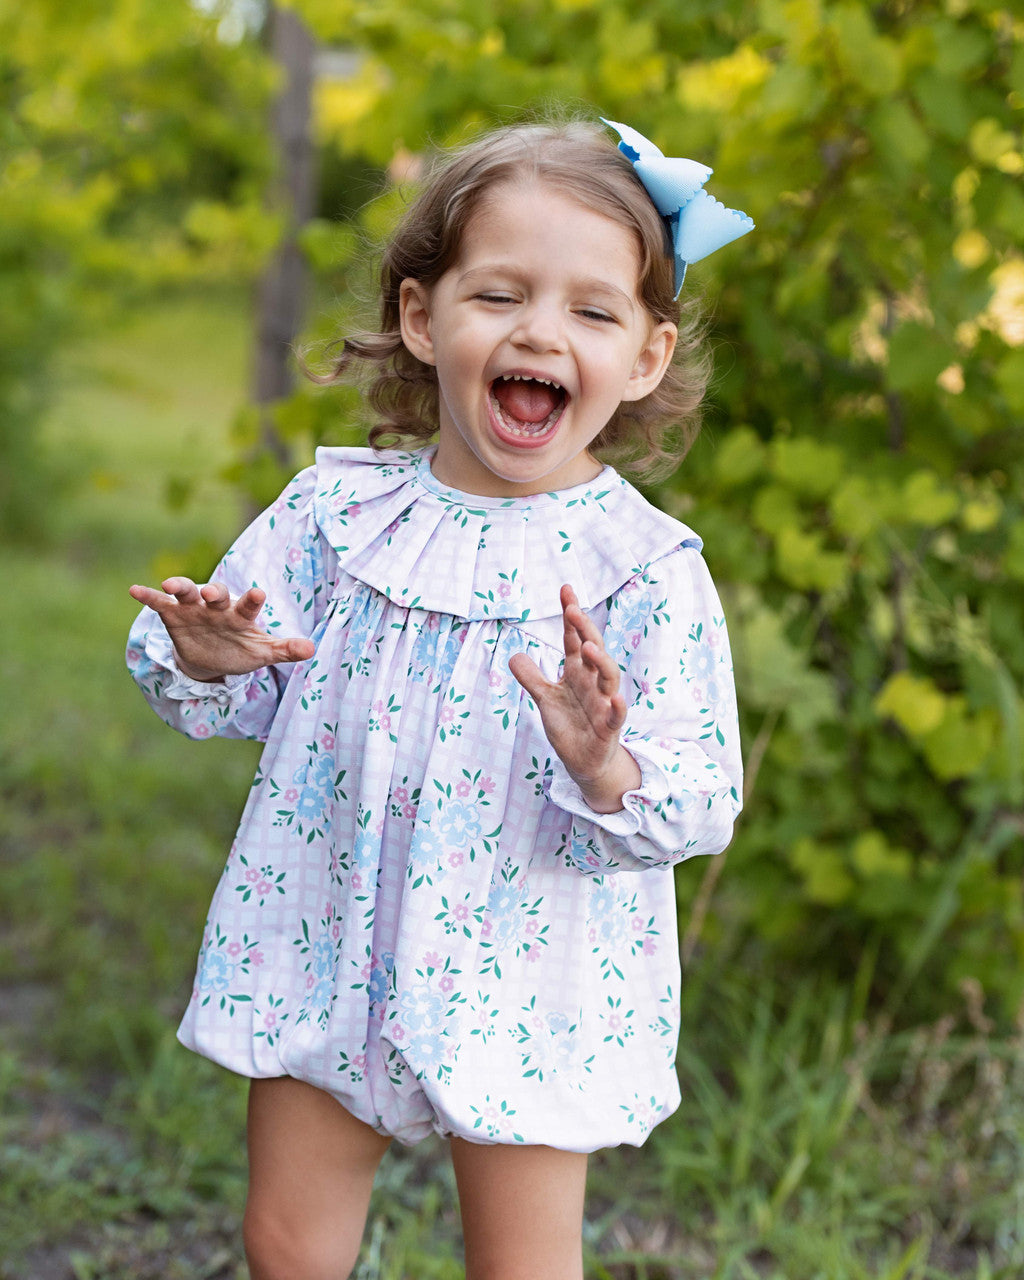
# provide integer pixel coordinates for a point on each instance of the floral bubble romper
(420, 914)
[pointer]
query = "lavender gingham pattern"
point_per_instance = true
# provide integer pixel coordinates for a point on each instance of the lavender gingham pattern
(419, 913)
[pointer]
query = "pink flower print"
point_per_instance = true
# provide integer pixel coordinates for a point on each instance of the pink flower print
(455, 858)
(649, 947)
(278, 506)
(400, 794)
(336, 930)
(378, 706)
(409, 810)
(447, 715)
(398, 1032)
(447, 983)
(133, 656)
(487, 928)
(357, 881)
(532, 926)
(635, 638)
(252, 875)
(295, 555)
(269, 1020)
(327, 741)
(504, 590)
(591, 935)
(645, 686)
(379, 828)
(309, 981)
(291, 795)
(460, 911)
(638, 924)
(533, 955)
(234, 948)
(202, 731)
(354, 509)
(263, 888)
(393, 527)
(256, 957)
(487, 786)
(385, 723)
(433, 622)
(359, 1061)
(462, 635)
(614, 1021)
(431, 960)
(462, 787)
(495, 680)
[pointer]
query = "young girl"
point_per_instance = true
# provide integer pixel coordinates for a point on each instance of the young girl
(496, 695)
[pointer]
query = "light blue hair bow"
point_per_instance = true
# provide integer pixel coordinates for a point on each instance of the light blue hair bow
(697, 223)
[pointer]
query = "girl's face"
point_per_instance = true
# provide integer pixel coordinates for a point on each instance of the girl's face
(537, 335)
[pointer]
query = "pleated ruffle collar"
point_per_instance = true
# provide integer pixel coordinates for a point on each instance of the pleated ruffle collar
(423, 545)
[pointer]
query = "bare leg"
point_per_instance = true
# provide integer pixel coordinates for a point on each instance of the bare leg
(311, 1170)
(522, 1211)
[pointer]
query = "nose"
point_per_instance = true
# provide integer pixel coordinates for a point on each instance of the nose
(540, 327)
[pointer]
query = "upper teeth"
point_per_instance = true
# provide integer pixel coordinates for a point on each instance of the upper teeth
(525, 377)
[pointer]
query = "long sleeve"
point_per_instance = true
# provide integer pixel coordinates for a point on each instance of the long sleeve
(667, 632)
(281, 552)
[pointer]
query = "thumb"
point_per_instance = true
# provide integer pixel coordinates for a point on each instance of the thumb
(299, 649)
(529, 675)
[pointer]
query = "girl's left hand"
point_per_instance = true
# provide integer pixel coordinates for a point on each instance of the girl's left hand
(583, 711)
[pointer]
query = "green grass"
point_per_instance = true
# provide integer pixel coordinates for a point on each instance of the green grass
(812, 1141)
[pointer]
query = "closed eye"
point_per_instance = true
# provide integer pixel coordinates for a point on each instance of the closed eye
(591, 313)
(495, 297)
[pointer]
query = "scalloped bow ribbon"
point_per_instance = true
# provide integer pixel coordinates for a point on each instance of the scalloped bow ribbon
(697, 223)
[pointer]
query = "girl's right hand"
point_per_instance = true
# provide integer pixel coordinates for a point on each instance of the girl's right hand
(215, 636)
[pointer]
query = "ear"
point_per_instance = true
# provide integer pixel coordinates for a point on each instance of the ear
(652, 362)
(414, 317)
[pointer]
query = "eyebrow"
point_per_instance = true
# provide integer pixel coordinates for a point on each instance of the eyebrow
(588, 284)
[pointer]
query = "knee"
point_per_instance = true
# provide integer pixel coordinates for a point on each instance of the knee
(276, 1249)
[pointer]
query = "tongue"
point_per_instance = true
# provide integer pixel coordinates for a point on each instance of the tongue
(526, 401)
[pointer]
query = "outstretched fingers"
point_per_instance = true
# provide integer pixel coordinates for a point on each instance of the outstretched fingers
(184, 590)
(216, 634)
(604, 672)
(175, 591)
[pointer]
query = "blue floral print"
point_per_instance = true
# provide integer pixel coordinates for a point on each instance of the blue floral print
(420, 914)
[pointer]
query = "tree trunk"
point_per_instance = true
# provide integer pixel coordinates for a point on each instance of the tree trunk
(281, 291)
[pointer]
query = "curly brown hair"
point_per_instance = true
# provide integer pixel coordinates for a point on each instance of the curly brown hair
(578, 160)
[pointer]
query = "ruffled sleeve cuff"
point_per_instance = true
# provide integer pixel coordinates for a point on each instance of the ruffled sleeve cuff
(659, 824)
(625, 821)
(196, 707)
(230, 692)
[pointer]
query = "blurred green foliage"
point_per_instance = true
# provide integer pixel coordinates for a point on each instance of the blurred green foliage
(812, 1139)
(133, 155)
(859, 481)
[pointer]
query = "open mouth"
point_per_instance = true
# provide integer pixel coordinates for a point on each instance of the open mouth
(527, 407)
